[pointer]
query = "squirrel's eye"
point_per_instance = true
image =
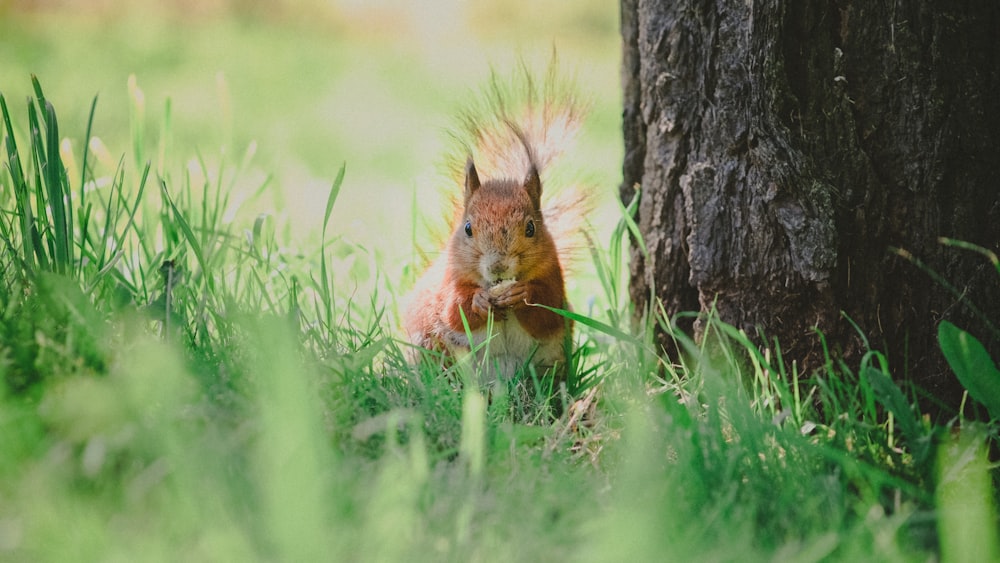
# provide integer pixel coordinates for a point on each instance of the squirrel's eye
(529, 231)
(468, 228)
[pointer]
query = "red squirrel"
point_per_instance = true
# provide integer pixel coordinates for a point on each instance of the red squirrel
(501, 259)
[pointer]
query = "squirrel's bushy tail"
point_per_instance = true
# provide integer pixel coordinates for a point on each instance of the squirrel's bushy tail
(516, 119)
(519, 121)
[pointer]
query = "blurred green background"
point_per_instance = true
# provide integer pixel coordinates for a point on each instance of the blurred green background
(312, 85)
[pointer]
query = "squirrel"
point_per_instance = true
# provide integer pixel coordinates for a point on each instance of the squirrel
(502, 259)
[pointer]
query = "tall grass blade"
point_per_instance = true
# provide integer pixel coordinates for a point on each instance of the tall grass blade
(594, 324)
(86, 154)
(37, 87)
(326, 291)
(59, 195)
(129, 224)
(965, 499)
(53, 181)
(291, 459)
(472, 447)
(137, 118)
(334, 192)
(891, 397)
(21, 199)
(40, 236)
(989, 254)
(163, 147)
(958, 294)
(185, 228)
(628, 213)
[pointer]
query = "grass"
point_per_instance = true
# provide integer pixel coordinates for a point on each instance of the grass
(181, 384)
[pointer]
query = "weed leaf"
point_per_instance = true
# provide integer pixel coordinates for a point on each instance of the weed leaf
(972, 364)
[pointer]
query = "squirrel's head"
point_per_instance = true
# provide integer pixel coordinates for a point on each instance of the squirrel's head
(502, 235)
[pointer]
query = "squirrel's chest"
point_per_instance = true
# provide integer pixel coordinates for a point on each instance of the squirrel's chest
(507, 346)
(508, 339)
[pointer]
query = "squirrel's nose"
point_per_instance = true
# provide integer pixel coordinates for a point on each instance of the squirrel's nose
(499, 269)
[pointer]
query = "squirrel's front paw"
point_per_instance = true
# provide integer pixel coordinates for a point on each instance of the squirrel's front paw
(481, 303)
(516, 294)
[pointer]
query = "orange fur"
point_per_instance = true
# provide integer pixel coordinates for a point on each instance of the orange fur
(509, 240)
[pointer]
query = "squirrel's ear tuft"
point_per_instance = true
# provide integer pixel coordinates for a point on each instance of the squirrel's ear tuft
(471, 178)
(533, 185)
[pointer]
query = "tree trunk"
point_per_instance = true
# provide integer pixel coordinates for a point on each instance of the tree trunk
(783, 149)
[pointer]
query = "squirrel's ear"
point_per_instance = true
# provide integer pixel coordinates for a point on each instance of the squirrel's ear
(471, 178)
(533, 185)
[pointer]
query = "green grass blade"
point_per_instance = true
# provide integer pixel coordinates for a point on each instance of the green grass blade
(594, 324)
(189, 235)
(989, 254)
(137, 118)
(13, 158)
(958, 294)
(60, 196)
(627, 213)
(324, 275)
(163, 148)
(334, 192)
(604, 275)
(965, 495)
(21, 200)
(37, 87)
(891, 397)
(130, 224)
(86, 154)
(41, 239)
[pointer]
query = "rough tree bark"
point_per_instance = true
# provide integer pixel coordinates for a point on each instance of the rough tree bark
(782, 148)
